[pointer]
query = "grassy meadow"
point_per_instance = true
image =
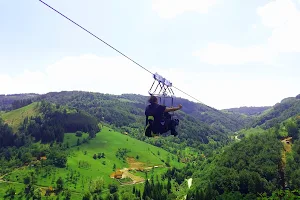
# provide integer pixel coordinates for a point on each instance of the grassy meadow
(97, 159)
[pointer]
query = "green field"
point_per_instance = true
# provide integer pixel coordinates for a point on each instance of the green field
(71, 139)
(251, 131)
(82, 168)
(16, 117)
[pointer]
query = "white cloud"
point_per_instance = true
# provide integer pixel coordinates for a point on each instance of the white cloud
(117, 75)
(171, 8)
(282, 17)
(276, 13)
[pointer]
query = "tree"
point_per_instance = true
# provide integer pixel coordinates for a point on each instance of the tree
(292, 129)
(169, 186)
(147, 189)
(78, 133)
(58, 158)
(127, 196)
(37, 195)
(87, 196)
(95, 197)
(26, 158)
(97, 186)
(67, 195)
(113, 188)
(60, 184)
(10, 193)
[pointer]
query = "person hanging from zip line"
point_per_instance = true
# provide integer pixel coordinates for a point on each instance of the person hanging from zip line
(158, 118)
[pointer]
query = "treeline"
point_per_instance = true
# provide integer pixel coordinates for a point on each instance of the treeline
(14, 101)
(21, 103)
(154, 189)
(249, 110)
(55, 121)
(105, 107)
(7, 138)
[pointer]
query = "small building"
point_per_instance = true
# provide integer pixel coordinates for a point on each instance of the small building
(118, 174)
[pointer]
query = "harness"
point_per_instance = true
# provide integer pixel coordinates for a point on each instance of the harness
(163, 90)
(157, 123)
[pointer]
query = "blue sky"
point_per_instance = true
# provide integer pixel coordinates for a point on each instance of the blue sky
(225, 53)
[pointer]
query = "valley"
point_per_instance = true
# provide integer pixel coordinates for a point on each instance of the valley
(79, 145)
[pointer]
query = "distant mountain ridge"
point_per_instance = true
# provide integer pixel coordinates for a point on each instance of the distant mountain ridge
(128, 110)
(250, 111)
(198, 123)
(288, 107)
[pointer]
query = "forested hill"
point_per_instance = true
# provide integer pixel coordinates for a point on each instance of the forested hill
(250, 111)
(44, 122)
(287, 108)
(220, 121)
(127, 112)
(262, 163)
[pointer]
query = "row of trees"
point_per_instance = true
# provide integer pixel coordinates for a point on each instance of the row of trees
(55, 121)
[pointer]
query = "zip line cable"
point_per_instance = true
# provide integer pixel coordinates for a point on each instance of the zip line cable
(114, 48)
(95, 36)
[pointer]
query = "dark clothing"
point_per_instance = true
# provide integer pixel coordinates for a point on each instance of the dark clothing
(157, 111)
(162, 120)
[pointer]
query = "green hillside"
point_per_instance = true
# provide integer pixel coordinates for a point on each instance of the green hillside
(287, 108)
(83, 168)
(127, 112)
(249, 111)
(14, 118)
(263, 164)
(225, 158)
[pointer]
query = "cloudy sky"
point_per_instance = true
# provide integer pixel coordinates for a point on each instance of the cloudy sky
(226, 53)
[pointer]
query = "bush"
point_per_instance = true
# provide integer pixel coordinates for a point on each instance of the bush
(78, 133)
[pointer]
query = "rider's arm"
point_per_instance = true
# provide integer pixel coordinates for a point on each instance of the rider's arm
(173, 109)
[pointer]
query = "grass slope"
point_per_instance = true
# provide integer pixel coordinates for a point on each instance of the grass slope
(14, 118)
(78, 179)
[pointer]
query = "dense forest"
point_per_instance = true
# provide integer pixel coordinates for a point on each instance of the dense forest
(237, 153)
(287, 108)
(49, 126)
